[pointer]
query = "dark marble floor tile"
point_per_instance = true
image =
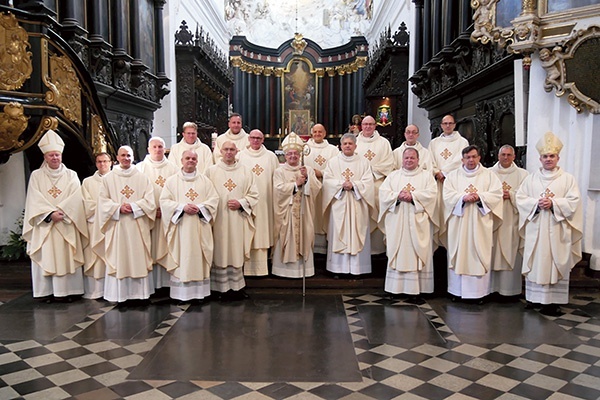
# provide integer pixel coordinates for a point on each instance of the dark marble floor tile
(376, 373)
(36, 385)
(404, 326)
(501, 358)
(468, 373)
(380, 391)
(594, 370)
(32, 352)
(178, 389)
(14, 366)
(540, 357)
(481, 392)
(113, 353)
(130, 388)
(429, 391)
(370, 357)
(455, 356)
(530, 391)
(54, 368)
(487, 324)
(558, 373)
(229, 390)
(82, 386)
(125, 324)
(100, 368)
(330, 392)
(513, 373)
(420, 372)
(267, 338)
(581, 357)
(412, 357)
(279, 391)
(72, 353)
(99, 394)
(586, 333)
(592, 309)
(580, 391)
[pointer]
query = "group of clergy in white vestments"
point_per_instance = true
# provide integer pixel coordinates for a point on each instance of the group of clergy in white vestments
(200, 220)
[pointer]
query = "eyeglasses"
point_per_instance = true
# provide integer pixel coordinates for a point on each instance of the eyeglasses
(254, 137)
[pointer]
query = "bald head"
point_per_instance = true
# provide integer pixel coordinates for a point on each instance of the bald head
(228, 152)
(318, 133)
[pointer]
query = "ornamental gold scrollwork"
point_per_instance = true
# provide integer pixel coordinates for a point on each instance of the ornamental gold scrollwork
(568, 72)
(15, 61)
(298, 44)
(98, 135)
(12, 124)
(484, 19)
(65, 90)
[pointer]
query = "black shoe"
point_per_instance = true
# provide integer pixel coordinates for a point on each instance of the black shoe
(551, 310)
(416, 300)
(532, 306)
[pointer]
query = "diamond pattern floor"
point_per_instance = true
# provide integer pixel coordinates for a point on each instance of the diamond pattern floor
(63, 367)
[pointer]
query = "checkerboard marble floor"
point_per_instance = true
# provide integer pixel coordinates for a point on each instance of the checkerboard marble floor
(467, 362)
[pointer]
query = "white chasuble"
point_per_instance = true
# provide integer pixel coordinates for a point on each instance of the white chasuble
(348, 211)
(205, 157)
(127, 238)
(409, 226)
(158, 172)
(470, 225)
(233, 230)
(263, 164)
(425, 159)
(240, 140)
(56, 247)
(552, 237)
(94, 266)
(189, 237)
(294, 212)
(507, 242)
(320, 154)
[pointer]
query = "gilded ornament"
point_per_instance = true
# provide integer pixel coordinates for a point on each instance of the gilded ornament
(15, 60)
(12, 124)
(65, 90)
(298, 44)
(98, 136)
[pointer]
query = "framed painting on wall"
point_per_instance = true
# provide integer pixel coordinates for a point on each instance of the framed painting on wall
(299, 122)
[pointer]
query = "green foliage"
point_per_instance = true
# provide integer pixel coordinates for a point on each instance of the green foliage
(16, 247)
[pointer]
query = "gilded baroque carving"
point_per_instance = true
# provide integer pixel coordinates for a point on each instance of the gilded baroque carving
(65, 90)
(558, 61)
(298, 44)
(12, 123)
(98, 135)
(484, 20)
(15, 60)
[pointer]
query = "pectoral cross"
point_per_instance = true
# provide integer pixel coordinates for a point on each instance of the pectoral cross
(258, 170)
(160, 181)
(446, 154)
(471, 189)
(54, 191)
(320, 160)
(506, 186)
(369, 155)
(127, 191)
(230, 185)
(347, 174)
(547, 194)
(191, 194)
(408, 188)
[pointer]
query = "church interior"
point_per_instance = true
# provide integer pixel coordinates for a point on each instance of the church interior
(107, 73)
